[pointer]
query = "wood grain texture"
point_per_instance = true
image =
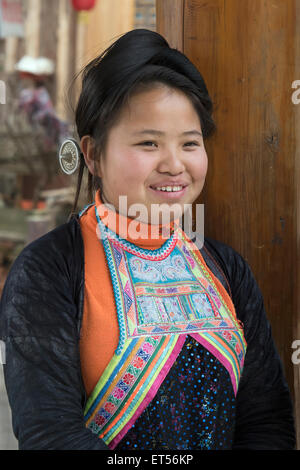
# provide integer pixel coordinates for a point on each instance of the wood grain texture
(296, 283)
(11, 53)
(170, 21)
(33, 28)
(108, 20)
(248, 53)
(63, 53)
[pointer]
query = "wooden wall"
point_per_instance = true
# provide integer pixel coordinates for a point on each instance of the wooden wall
(88, 33)
(249, 55)
(109, 19)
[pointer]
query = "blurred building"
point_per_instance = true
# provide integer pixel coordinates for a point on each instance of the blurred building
(70, 39)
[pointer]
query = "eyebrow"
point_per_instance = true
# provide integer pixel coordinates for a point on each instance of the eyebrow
(160, 133)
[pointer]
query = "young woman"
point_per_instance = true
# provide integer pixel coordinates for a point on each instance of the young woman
(116, 336)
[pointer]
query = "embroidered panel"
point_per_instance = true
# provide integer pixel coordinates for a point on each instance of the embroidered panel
(161, 297)
(129, 384)
(168, 296)
(194, 408)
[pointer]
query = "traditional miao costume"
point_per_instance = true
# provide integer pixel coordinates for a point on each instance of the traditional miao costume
(161, 348)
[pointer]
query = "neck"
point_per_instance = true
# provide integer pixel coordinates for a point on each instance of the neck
(139, 233)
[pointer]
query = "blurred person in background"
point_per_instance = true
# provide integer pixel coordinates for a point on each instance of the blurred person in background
(35, 101)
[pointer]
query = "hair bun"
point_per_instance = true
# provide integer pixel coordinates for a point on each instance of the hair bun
(137, 57)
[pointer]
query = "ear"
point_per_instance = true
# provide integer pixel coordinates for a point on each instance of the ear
(87, 144)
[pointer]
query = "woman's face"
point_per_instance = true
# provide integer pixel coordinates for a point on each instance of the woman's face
(156, 144)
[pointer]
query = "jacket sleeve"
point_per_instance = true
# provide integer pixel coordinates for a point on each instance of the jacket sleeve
(42, 370)
(264, 414)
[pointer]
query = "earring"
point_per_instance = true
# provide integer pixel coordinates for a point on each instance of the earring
(69, 156)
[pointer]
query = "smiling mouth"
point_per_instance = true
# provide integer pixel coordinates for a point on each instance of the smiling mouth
(168, 194)
(168, 189)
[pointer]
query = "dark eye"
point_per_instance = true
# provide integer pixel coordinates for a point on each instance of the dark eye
(147, 143)
(191, 143)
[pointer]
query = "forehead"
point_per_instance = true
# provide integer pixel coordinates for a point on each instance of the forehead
(161, 106)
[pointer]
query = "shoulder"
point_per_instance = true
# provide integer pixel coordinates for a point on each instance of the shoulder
(223, 253)
(64, 236)
(51, 262)
(246, 294)
(56, 248)
(231, 262)
(42, 284)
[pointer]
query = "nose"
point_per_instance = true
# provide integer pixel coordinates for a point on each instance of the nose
(171, 162)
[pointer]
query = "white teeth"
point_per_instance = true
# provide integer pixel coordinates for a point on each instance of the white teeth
(170, 188)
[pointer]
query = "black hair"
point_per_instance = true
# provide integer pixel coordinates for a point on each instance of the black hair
(139, 59)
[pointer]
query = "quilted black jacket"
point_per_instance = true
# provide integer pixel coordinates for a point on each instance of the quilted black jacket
(40, 320)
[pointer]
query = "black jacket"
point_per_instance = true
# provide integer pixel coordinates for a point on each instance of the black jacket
(40, 320)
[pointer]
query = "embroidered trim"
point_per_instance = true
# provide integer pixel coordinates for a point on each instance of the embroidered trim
(225, 298)
(158, 254)
(84, 209)
(228, 347)
(128, 393)
(159, 299)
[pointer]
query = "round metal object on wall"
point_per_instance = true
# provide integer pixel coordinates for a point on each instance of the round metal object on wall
(69, 156)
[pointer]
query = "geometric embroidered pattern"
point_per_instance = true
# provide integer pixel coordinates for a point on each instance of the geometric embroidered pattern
(167, 296)
(118, 400)
(161, 297)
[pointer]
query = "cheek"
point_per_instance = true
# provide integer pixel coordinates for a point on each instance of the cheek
(137, 168)
(126, 175)
(199, 167)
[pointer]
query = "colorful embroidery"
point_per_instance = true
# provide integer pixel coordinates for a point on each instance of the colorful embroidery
(158, 254)
(155, 300)
(194, 408)
(119, 399)
(160, 297)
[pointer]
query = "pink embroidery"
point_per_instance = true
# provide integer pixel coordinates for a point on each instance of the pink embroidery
(118, 393)
(109, 407)
(138, 362)
(227, 335)
(100, 420)
(148, 348)
(128, 379)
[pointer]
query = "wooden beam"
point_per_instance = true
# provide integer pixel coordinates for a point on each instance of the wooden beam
(108, 20)
(11, 53)
(171, 19)
(64, 49)
(296, 285)
(32, 28)
(82, 23)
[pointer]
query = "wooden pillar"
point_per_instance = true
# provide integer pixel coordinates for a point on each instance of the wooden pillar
(295, 248)
(11, 51)
(98, 28)
(249, 54)
(64, 50)
(109, 19)
(169, 21)
(82, 25)
(33, 23)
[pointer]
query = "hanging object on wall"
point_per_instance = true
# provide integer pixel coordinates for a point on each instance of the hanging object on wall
(83, 8)
(83, 5)
(11, 18)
